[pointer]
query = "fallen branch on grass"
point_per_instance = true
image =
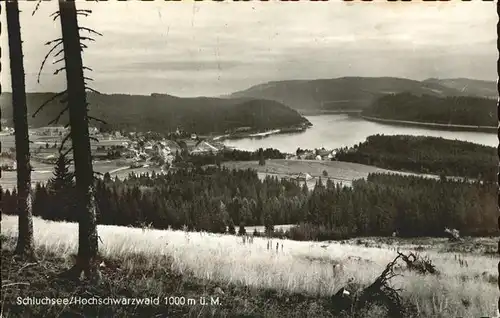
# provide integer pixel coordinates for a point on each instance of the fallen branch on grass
(418, 264)
(378, 293)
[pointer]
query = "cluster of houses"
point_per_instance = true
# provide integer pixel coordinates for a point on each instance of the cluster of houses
(141, 150)
(301, 177)
(55, 131)
(316, 154)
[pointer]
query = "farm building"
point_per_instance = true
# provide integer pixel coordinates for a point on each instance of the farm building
(303, 176)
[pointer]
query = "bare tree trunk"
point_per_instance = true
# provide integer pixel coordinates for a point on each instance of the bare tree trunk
(78, 120)
(498, 134)
(25, 242)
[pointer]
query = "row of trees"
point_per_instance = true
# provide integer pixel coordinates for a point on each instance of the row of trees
(425, 155)
(260, 155)
(214, 199)
(71, 46)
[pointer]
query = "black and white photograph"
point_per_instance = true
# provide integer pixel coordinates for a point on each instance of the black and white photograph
(249, 158)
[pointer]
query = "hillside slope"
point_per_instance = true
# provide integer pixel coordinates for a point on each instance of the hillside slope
(461, 110)
(162, 113)
(349, 93)
(468, 86)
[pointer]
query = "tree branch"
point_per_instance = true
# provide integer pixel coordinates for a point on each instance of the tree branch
(98, 120)
(93, 90)
(63, 142)
(90, 31)
(88, 78)
(94, 139)
(45, 59)
(59, 70)
(59, 60)
(86, 38)
(67, 151)
(53, 41)
(58, 53)
(56, 120)
(48, 101)
(88, 68)
(55, 15)
(36, 7)
(84, 11)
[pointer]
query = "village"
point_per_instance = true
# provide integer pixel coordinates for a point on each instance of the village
(133, 149)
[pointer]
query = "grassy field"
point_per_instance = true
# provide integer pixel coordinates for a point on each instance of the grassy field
(343, 172)
(337, 171)
(8, 141)
(210, 263)
(43, 172)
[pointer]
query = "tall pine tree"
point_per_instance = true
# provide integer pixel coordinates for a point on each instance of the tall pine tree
(61, 189)
(262, 160)
(63, 178)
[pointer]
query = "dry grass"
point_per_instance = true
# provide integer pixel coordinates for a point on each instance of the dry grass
(304, 267)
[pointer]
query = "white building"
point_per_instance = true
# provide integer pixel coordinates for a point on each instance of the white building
(204, 148)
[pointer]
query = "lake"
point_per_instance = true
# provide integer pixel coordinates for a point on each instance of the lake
(341, 130)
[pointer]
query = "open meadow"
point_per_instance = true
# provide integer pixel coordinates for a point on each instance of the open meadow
(466, 287)
(337, 171)
(42, 172)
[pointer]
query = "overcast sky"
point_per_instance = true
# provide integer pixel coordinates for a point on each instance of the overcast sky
(207, 48)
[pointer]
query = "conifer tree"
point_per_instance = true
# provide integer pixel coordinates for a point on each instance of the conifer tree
(242, 230)
(63, 178)
(61, 189)
(231, 229)
(262, 160)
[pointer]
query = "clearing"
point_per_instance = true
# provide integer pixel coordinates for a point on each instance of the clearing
(255, 279)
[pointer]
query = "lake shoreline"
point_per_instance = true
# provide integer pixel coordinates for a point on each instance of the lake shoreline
(264, 134)
(435, 126)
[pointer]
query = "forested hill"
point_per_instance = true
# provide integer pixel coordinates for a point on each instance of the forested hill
(161, 112)
(458, 110)
(355, 93)
(424, 154)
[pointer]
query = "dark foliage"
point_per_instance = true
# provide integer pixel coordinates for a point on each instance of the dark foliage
(242, 230)
(262, 160)
(61, 192)
(63, 178)
(458, 110)
(378, 206)
(425, 155)
(164, 113)
(235, 155)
